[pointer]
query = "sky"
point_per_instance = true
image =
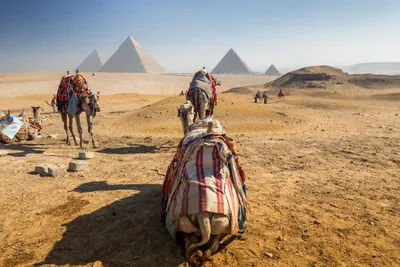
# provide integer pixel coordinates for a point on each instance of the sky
(183, 36)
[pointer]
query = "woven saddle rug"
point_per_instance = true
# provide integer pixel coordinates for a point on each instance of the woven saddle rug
(201, 82)
(63, 93)
(203, 176)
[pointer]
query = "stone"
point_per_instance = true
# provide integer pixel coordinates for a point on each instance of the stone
(56, 171)
(86, 155)
(97, 264)
(78, 166)
(42, 169)
(3, 153)
(269, 255)
(52, 136)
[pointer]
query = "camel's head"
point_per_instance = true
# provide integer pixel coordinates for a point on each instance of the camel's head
(186, 114)
(37, 114)
(37, 110)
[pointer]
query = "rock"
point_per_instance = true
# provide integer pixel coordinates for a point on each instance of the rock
(56, 171)
(318, 222)
(3, 153)
(52, 136)
(280, 238)
(86, 155)
(42, 169)
(269, 255)
(78, 166)
(97, 264)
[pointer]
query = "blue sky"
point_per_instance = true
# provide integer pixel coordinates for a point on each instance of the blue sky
(52, 36)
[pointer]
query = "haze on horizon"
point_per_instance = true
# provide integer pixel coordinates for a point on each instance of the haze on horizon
(52, 36)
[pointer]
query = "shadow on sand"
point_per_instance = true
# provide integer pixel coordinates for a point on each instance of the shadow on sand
(127, 232)
(21, 149)
(134, 149)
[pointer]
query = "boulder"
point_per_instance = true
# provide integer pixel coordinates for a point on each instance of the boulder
(56, 171)
(78, 166)
(42, 169)
(86, 155)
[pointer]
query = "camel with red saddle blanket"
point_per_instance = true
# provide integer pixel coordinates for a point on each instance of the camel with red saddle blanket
(73, 98)
(202, 93)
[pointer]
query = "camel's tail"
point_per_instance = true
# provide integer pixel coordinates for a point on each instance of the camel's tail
(205, 229)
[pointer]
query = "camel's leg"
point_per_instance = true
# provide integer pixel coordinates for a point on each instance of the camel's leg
(193, 99)
(80, 131)
(71, 127)
(89, 119)
(202, 105)
(64, 119)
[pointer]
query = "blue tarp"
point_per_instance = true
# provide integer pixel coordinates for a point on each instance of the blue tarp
(10, 126)
(73, 105)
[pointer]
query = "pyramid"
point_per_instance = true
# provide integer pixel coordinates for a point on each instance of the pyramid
(272, 71)
(231, 63)
(92, 63)
(130, 57)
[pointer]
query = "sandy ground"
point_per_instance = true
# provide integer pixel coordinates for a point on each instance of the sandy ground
(323, 183)
(12, 85)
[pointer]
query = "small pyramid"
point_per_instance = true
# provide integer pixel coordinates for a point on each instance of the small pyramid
(130, 57)
(231, 63)
(272, 71)
(92, 63)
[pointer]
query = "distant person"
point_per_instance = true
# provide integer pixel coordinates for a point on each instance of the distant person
(265, 97)
(68, 72)
(182, 93)
(257, 96)
(77, 71)
(281, 94)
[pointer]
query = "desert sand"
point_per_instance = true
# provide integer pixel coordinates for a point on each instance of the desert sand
(322, 166)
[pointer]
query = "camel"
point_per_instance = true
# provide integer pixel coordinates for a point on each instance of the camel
(200, 102)
(69, 85)
(257, 96)
(186, 114)
(280, 94)
(202, 93)
(204, 192)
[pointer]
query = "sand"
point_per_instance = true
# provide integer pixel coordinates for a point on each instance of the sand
(323, 178)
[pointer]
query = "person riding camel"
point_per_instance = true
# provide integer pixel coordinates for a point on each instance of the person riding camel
(280, 94)
(265, 97)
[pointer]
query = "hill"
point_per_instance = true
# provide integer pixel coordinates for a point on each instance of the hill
(311, 77)
(327, 77)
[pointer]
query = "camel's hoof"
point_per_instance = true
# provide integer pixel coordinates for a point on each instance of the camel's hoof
(68, 143)
(207, 255)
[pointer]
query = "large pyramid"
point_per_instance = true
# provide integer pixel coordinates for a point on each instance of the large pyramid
(92, 63)
(130, 57)
(231, 63)
(272, 71)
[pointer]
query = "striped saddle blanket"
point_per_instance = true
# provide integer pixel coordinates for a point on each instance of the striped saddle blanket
(204, 176)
